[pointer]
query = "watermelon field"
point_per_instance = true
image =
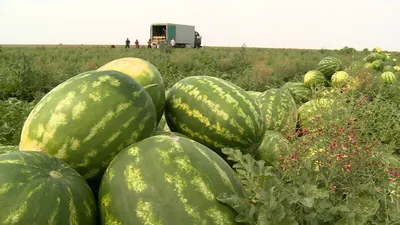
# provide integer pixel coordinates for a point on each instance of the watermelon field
(217, 135)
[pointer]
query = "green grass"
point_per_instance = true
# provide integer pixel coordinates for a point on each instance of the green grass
(28, 73)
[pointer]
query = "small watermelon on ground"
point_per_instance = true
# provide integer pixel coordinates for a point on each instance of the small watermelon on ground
(377, 65)
(299, 91)
(216, 113)
(279, 110)
(167, 180)
(329, 65)
(88, 119)
(8, 148)
(388, 77)
(372, 57)
(368, 65)
(36, 188)
(388, 69)
(273, 145)
(340, 79)
(314, 78)
(146, 74)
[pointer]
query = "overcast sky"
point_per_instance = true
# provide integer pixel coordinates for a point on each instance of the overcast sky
(258, 23)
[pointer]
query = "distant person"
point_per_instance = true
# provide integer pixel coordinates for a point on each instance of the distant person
(127, 43)
(173, 42)
(137, 43)
(149, 43)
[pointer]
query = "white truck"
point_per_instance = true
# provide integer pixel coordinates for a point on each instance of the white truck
(185, 36)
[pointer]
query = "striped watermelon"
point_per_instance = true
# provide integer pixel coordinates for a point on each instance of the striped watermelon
(329, 65)
(314, 78)
(215, 113)
(146, 74)
(372, 57)
(388, 77)
(316, 112)
(88, 119)
(299, 91)
(167, 180)
(36, 188)
(8, 148)
(378, 65)
(273, 145)
(279, 109)
(340, 79)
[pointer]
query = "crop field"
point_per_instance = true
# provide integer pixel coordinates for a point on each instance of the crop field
(301, 136)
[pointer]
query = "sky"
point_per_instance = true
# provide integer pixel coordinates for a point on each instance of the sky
(312, 24)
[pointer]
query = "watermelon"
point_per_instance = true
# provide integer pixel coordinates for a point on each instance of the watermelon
(254, 94)
(378, 65)
(340, 79)
(146, 74)
(388, 77)
(368, 65)
(215, 113)
(8, 148)
(329, 65)
(372, 57)
(88, 119)
(314, 78)
(167, 180)
(317, 112)
(36, 188)
(279, 109)
(274, 144)
(299, 91)
(377, 50)
(388, 68)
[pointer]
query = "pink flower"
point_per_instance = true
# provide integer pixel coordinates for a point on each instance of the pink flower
(333, 187)
(347, 166)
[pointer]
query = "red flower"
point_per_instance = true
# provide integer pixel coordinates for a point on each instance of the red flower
(347, 166)
(333, 187)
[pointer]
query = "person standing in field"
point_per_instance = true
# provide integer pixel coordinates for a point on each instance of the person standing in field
(173, 42)
(149, 43)
(127, 43)
(137, 43)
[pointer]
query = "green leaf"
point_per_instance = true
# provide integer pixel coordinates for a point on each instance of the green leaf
(307, 201)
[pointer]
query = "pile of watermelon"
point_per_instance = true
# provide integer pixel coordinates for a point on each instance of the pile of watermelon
(113, 146)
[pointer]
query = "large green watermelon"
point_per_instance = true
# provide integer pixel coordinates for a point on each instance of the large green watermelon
(167, 180)
(299, 91)
(36, 188)
(273, 145)
(329, 65)
(146, 74)
(88, 119)
(314, 78)
(8, 148)
(215, 113)
(279, 109)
